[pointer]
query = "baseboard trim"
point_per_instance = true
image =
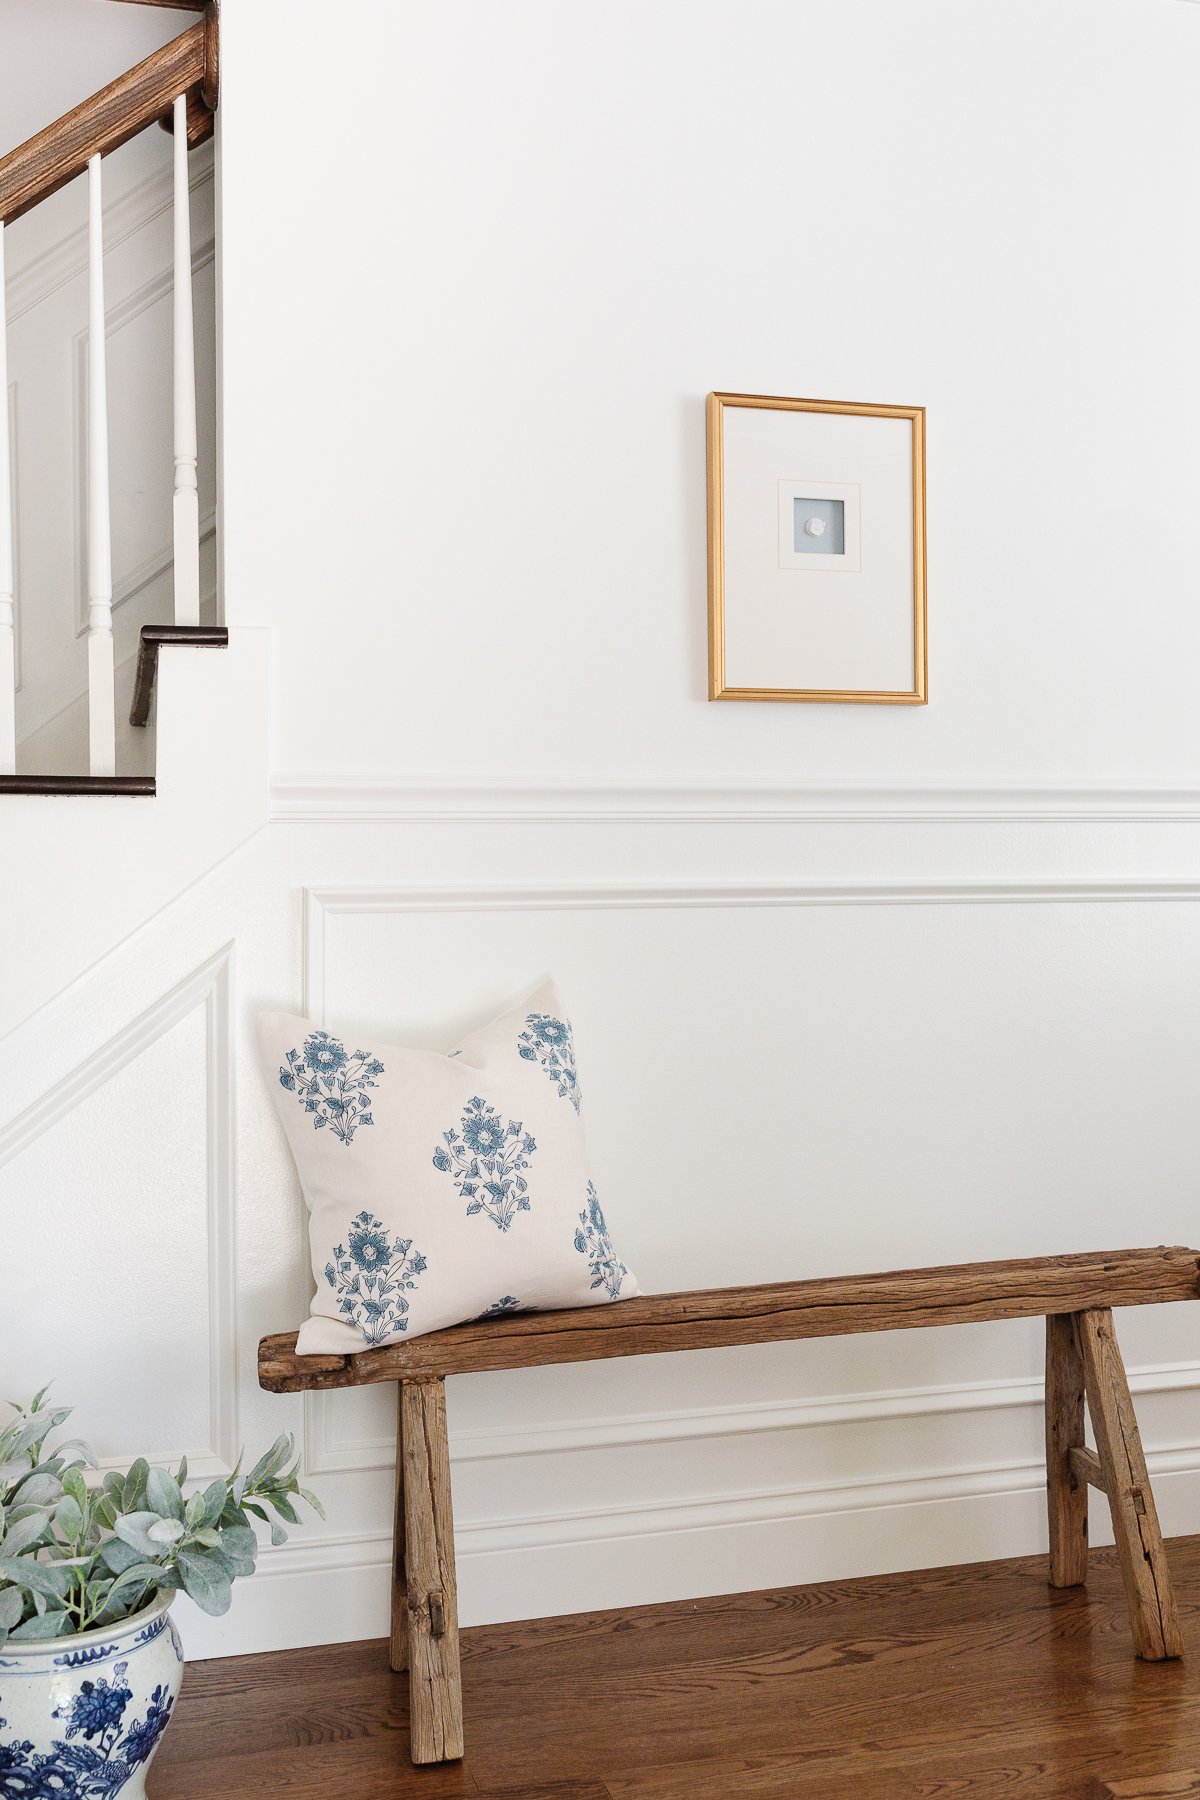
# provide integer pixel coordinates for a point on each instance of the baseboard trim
(335, 1589)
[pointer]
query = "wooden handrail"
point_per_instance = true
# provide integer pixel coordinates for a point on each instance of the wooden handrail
(38, 168)
(200, 637)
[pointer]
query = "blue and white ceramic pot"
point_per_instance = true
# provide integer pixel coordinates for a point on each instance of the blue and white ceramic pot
(81, 1717)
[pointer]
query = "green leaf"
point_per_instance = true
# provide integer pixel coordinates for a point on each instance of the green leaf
(133, 1528)
(119, 1556)
(278, 1534)
(193, 1511)
(307, 1494)
(181, 1472)
(49, 1625)
(205, 1581)
(167, 1531)
(24, 1532)
(129, 1586)
(163, 1495)
(215, 1496)
(12, 1605)
(76, 1486)
(74, 1451)
(208, 1537)
(284, 1508)
(14, 1469)
(35, 1432)
(68, 1519)
(234, 1558)
(135, 1486)
(40, 1488)
(50, 1580)
(273, 1459)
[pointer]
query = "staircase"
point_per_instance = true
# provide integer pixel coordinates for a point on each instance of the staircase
(176, 87)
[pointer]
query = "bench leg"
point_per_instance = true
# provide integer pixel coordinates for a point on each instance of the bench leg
(1122, 1470)
(398, 1644)
(1066, 1495)
(434, 1679)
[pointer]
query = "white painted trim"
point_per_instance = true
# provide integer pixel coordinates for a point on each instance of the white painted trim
(636, 1430)
(209, 986)
(322, 903)
(338, 799)
(585, 1525)
(33, 280)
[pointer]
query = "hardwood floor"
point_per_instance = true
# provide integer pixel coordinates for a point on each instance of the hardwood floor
(972, 1681)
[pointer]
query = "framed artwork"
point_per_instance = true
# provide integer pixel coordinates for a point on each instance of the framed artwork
(816, 551)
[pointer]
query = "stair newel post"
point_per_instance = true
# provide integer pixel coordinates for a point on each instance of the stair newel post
(187, 498)
(8, 644)
(102, 721)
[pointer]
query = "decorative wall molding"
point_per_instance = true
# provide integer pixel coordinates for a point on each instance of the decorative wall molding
(584, 1525)
(208, 986)
(127, 582)
(326, 1452)
(323, 903)
(346, 1456)
(366, 799)
(32, 280)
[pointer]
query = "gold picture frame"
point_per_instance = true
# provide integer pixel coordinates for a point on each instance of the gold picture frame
(718, 689)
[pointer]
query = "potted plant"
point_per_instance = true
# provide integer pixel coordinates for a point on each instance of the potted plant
(90, 1659)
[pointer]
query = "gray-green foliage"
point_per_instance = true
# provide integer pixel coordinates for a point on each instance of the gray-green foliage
(75, 1555)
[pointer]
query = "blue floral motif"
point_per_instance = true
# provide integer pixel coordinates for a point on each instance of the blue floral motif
(370, 1278)
(79, 1659)
(100, 1766)
(331, 1083)
(592, 1240)
(488, 1159)
(548, 1041)
(509, 1304)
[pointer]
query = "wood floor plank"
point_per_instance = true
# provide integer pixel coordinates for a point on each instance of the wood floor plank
(1179, 1786)
(979, 1681)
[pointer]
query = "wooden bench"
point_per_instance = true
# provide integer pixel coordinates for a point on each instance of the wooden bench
(1075, 1294)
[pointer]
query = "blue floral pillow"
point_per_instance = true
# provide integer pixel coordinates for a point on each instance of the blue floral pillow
(441, 1188)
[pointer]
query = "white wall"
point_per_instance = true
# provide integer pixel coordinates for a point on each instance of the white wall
(854, 987)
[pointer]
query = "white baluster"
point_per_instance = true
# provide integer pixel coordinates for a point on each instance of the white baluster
(8, 648)
(187, 498)
(101, 696)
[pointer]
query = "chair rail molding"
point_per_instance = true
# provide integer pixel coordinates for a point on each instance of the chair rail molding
(208, 986)
(328, 798)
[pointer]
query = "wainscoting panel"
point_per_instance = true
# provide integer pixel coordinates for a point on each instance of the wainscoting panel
(782, 1077)
(116, 1208)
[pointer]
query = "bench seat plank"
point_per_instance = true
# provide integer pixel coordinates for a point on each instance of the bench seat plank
(710, 1318)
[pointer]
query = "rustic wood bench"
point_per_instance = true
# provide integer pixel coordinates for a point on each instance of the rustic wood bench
(1075, 1294)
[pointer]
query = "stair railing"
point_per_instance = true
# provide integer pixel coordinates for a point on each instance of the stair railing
(176, 87)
